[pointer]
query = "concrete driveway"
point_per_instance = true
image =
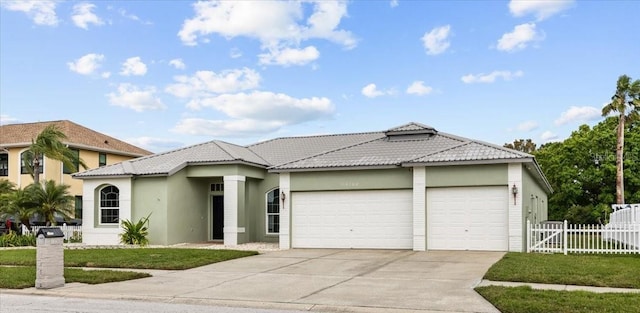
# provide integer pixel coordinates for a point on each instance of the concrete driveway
(319, 280)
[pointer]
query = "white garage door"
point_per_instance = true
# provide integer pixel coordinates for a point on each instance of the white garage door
(379, 219)
(467, 218)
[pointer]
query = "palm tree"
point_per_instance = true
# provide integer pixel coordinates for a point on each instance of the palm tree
(52, 199)
(19, 204)
(626, 102)
(49, 143)
(6, 186)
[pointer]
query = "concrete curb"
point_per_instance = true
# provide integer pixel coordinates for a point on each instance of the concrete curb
(485, 282)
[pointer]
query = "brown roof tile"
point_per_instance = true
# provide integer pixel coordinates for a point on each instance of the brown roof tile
(16, 135)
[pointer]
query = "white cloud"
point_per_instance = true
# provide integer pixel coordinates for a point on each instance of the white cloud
(235, 53)
(105, 74)
(42, 12)
(372, 91)
(548, 136)
(83, 16)
(208, 83)
(225, 128)
(135, 98)
(133, 17)
(290, 56)
(542, 9)
(519, 38)
(527, 126)
(87, 64)
(491, 77)
(418, 88)
(578, 114)
(133, 66)
(255, 113)
(6, 119)
(394, 3)
(269, 106)
(436, 41)
(278, 25)
(178, 63)
(155, 144)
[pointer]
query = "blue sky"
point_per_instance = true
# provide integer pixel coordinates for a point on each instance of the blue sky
(164, 74)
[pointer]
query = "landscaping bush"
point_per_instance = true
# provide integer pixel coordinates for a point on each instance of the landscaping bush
(12, 239)
(135, 233)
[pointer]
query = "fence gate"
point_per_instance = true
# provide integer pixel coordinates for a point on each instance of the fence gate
(561, 237)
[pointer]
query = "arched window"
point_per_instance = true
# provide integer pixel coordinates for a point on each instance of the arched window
(109, 205)
(273, 211)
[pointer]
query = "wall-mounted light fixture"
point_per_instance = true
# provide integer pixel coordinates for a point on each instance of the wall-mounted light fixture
(514, 191)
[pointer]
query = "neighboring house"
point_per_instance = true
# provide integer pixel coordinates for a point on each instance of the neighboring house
(94, 148)
(409, 187)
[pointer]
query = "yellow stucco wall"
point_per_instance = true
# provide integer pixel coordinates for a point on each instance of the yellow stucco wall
(53, 169)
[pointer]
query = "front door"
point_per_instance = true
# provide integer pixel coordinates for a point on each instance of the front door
(217, 213)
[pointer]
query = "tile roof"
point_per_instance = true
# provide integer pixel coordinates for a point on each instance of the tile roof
(408, 144)
(472, 151)
(379, 152)
(21, 135)
(168, 162)
(283, 150)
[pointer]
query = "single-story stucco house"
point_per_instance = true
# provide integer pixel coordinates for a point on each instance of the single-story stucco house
(410, 187)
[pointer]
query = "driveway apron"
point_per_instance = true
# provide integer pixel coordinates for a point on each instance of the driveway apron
(320, 280)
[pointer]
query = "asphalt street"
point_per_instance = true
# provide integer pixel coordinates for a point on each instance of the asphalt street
(10, 303)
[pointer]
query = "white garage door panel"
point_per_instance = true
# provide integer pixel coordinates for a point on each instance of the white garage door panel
(467, 218)
(352, 219)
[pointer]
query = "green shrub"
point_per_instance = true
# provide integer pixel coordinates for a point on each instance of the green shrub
(12, 239)
(135, 233)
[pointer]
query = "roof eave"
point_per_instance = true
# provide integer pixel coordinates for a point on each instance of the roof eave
(88, 177)
(232, 162)
(335, 168)
(466, 162)
(80, 146)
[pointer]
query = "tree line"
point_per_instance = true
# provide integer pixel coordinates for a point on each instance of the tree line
(594, 167)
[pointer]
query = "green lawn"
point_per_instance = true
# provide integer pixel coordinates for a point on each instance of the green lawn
(24, 277)
(611, 270)
(527, 300)
(147, 258)
(17, 267)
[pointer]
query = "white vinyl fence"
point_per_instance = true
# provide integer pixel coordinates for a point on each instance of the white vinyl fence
(625, 214)
(70, 232)
(562, 237)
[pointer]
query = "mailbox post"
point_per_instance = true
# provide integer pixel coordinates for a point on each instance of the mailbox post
(49, 258)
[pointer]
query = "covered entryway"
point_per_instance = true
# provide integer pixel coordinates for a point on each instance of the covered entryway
(468, 218)
(378, 219)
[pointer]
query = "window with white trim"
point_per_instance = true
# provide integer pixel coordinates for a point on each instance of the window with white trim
(273, 211)
(109, 205)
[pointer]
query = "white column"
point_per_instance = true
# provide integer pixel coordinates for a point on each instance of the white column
(419, 209)
(230, 230)
(285, 211)
(516, 228)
